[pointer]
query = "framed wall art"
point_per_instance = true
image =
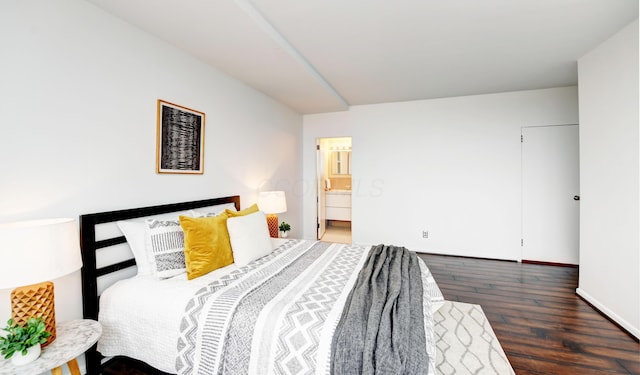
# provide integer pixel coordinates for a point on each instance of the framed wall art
(180, 139)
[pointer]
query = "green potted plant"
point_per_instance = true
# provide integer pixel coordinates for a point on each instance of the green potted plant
(284, 229)
(22, 343)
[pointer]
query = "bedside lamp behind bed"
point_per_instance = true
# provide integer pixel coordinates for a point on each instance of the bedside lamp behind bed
(272, 203)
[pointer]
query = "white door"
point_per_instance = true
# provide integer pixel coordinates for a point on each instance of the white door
(550, 194)
(320, 191)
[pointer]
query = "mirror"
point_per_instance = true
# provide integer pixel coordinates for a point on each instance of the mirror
(341, 162)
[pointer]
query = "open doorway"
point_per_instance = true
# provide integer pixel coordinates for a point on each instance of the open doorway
(334, 182)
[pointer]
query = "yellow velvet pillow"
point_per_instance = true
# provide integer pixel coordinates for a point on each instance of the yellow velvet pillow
(206, 244)
(246, 211)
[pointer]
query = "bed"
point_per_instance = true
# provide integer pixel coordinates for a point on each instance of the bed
(295, 306)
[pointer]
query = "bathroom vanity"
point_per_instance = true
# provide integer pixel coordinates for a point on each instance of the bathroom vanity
(338, 205)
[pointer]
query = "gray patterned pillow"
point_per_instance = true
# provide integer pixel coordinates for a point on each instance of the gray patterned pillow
(166, 247)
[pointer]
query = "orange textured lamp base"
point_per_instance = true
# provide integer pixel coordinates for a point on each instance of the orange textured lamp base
(272, 222)
(35, 301)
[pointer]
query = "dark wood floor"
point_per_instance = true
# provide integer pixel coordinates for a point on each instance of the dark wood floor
(543, 326)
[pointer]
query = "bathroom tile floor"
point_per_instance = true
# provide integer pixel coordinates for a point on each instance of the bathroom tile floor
(337, 233)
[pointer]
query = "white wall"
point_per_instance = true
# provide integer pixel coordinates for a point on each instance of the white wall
(609, 167)
(450, 166)
(78, 127)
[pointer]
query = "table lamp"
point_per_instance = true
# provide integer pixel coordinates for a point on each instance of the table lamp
(272, 203)
(31, 253)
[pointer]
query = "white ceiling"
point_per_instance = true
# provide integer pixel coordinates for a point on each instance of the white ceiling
(325, 55)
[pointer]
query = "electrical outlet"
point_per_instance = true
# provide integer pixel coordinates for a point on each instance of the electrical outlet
(425, 234)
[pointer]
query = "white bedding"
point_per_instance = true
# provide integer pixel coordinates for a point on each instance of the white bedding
(141, 316)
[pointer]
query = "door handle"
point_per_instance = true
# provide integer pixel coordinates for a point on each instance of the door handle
(576, 197)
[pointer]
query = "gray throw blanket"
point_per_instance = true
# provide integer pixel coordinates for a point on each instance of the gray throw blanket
(381, 330)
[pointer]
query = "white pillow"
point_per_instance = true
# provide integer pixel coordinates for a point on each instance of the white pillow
(213, 210)
(249, 235)
(166, 245)
(134, 232)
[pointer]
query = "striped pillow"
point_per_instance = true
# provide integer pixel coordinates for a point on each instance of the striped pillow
(166, 247)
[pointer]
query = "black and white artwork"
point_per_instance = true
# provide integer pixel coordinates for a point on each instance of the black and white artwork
(180, 143)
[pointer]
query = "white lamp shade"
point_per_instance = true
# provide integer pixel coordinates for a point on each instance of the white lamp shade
(272, 202)
(38, 250)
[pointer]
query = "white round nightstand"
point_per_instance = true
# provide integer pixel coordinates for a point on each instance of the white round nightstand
(72, 339)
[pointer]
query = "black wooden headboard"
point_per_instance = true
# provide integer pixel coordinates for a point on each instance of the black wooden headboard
(90, 246)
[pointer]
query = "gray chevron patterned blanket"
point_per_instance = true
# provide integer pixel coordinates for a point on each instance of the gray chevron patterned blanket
(276, 315)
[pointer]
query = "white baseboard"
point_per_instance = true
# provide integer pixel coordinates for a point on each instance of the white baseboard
(462, 254)
(635, 331)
